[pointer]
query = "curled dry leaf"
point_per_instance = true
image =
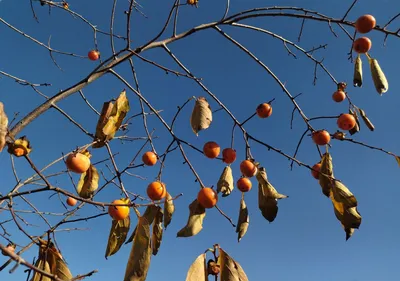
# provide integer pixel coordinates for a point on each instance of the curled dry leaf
(327, 169)
(225, 182)
(140, 256)
(357, 127)
(343, 195)
(195, 222)
(230, 269)
(150, 213)
(51, 261)
(110, 120)
(243, 221)
(118, 233)
(366, 120)
(3, 126)
(267, 196)
(201, 117)
(379, 78)
(156, 238)
(88, 183)
(357, 78)
(198, 270)
(169, 209)
(397, 160)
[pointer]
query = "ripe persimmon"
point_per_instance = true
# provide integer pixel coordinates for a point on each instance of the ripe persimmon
(118, 212)
(207, 197)
(156, 190)
(71, 201)
(339, 96)
(317, 168)
(211, 149)
(264, 110)
(228, 155)
(321, 137)
(18, 151)
(149, 158)
(346, 121)
(365, 23)
(94, 55)
(248, 168)
(244, 184)
(78, 162)
(362, 45)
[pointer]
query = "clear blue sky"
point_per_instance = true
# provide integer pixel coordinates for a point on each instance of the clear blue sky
(305, 242)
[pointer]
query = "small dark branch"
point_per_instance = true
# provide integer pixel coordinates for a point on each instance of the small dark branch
(349, 9)
(391, 20)
(368, 146)
(289, 51)
(72, 120)
(51, 55)
(13, 169)
(223, 214)
(331, 29)
(22, 81)
(226, 9)
(324, 117)
(88, 103)
(249, 118)
(298, 147)
(14, 216)
(351, 47)
(112, 27)
(317, 48)
(83, 219)
(301, 28)
(176, 18)
(33, 11)
(116, 169)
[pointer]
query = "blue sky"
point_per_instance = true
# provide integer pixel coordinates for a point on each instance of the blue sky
(305, 242)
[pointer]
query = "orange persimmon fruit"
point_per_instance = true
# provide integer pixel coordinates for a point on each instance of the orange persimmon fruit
(207, 197)
(317, 168)
(228, 155)
(321, 137)
(365, 23)
(94, 55)
(248, 168)
(362, 45)
(71, 201)
(78, 162)
(118, 212)
(339, 96)
(244, 184)
(346, 121)
(264, 110)
(156, 190)
(211, 149)
(149, 158)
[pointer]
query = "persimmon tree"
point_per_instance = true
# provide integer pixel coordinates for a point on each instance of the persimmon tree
(138, 217)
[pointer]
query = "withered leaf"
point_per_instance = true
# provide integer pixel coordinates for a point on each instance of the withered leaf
(43, 265)
(201, 117)
(327, 169)
(118, 233)
(357, 78)
(230, 269)
(267, 196)
(21, 144)
(198, 270)
(366, 120)
(156, 238)
(140, 256)
(169, 209)
(88, 183)
(111, 119)
(225, 182)
(343, 195)
(357, 127)
(149, 214)
(397, 160)
(243, 221)
(351, 218)
(379, 78)
(3, 126)
(195, 221)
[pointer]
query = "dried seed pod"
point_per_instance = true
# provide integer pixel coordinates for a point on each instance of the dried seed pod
(379, 78)
(201, 117)
(357, 78)
(366, 120)
(225, 182)
(20, 147)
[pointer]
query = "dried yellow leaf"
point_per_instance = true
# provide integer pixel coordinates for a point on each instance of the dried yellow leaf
(357, 127)
(379, 78)
(169, 209)
(3, 126)
(397, 160)
(118, 233)
(230, 269)
(140, 256)
(225, 182)
(150, 213)
(195, 221)
(327, 169)
(88, 183)
(366, 120)
(198, 270)
(243, 221)
(357, 78)
(156, 238)
(201, 117)
(343, 195)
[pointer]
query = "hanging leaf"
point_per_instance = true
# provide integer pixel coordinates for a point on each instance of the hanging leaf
(88, 183)
(357, 127)
(201, 117)
(198, 270)
(156, 238)
(397, 160)
(230, 269)
(140, 256)
(366, 120)
(149, 214)
(267, 196)
(343, 195)
(195, 222)
(169, 209)
(111, 118)
(43, 265)
(379, 78)
(243, 221)
(357, 78)
(20, 147)
(3, 126)
(118, 233)
(327, 169)
(225, 183)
